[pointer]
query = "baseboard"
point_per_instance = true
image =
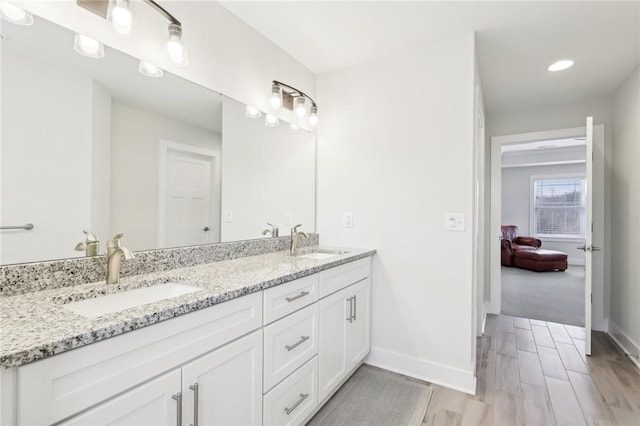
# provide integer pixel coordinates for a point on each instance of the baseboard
(628, 346)
(575, 261)
(428, 371)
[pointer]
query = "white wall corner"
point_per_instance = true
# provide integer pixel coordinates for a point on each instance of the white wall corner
(429, 371)
(626, 343)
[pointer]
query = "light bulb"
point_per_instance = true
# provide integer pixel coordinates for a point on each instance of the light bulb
(150, 70)
(313, 116)
(271, 120)
(86, 46)
(252, 112)
(300, 106)
(276, 97)
(15, 15)
(121, 14)
(561, 65)
(293, 127)
(175, 46)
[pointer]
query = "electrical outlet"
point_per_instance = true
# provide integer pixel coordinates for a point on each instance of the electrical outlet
(348, 220)
(287, 218)
(228, 216)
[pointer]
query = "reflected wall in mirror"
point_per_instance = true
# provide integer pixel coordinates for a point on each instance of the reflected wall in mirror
(91, 144)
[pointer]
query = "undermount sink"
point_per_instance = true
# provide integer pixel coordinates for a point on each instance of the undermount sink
(320, 254)
(111, 303)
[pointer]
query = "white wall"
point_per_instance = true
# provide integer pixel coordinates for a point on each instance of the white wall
(135, 135)
(396, 149)
(225, 54)
(58, 153)
(624, 323)
(267, 173)
(516, 204)
(562, 116)
(101, 163)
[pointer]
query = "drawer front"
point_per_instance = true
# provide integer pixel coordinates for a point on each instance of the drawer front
(52, 389)
(334, 279)
(284, 299)
(289, 343)
(293, 400)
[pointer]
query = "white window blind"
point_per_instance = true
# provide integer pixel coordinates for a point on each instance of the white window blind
(559, 207)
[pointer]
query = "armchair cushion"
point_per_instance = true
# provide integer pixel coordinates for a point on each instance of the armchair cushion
(511, 243)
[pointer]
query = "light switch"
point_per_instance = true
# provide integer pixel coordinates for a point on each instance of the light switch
(454, 222)
(348, 220)
(228, 216)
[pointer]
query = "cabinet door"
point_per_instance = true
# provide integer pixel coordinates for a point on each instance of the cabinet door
(332, 349)
(229, 385)
(150, 404)
(358, 338)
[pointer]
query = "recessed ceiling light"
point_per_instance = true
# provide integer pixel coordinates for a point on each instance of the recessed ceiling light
(561, 65)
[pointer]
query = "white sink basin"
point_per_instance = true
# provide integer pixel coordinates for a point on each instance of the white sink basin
(102, 305)
(317, 255)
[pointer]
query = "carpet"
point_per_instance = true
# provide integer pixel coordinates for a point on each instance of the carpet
(375, 397)
(545, 296)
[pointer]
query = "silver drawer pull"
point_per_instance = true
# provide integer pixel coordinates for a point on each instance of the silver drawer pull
(302, 294)
(303, 396)
(350, 318)
(178, 398)
(302, 339)
(355, 306)
(195, 389)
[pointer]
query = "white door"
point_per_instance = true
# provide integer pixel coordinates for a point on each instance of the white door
(333, 331)
(358, 337)
(589, 248)
(225, 386)
(188, 199)
(152, 404)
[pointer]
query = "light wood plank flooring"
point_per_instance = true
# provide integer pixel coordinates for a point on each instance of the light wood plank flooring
(533, 372)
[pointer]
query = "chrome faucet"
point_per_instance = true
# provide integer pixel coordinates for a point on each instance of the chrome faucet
(114, 256)
(295, 235)
(274, 231)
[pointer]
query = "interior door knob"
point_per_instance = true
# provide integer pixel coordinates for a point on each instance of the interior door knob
(206, 228)
(582, 247)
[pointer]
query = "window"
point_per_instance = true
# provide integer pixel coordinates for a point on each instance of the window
(559, 207)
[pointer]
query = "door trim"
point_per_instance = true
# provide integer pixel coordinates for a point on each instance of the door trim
(165, 147)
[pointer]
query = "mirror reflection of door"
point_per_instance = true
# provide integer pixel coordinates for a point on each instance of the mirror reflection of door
(189, 198)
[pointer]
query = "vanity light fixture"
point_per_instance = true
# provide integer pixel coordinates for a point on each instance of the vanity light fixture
(15, 15)
(252, 112)
(149, 70)
(561, 65)
(271, 120)
(175, 47)
(86, 46)
(121, 15)
(293, 127)
(294, 100)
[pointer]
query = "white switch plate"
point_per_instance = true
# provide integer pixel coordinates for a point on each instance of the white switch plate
(454, 222)
(287, 218)
(348, 220)
(228, 216)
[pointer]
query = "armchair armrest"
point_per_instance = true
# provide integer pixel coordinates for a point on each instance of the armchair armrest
(528, 241)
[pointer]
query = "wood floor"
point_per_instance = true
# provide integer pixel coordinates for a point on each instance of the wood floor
(533, 372)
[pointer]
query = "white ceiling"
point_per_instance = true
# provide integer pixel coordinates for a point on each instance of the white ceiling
(516, 40)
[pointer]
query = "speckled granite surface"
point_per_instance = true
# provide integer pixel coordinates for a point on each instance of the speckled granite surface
(36, 276)
(36, 325)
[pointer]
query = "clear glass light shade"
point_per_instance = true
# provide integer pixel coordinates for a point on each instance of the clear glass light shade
(121, 15)
(149, 70)
(276, 97)
(561, 65)
(252, 112)
(313, 117)
(175, 46)
(86, 46)
(271, 120)
(15, 15)
(300, 106)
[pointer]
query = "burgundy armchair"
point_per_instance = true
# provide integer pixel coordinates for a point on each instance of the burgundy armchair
(511, 243)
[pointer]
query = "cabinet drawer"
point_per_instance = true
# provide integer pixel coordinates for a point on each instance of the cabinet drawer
(334, 279)
(289, 343)
(58, 387)
(293, 400)
(284, 299)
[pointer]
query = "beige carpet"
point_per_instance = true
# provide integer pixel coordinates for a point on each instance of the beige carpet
(375, 397)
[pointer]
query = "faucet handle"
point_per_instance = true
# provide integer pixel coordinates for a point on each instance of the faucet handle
(294, 230)
(90, 237)
(115, 241)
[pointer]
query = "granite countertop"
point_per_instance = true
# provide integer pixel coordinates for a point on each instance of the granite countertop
(36, 325)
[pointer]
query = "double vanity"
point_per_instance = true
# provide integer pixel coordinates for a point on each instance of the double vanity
(263, 339)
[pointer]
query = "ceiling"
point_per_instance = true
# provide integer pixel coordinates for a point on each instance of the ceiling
(548, 144)
(516, 41)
